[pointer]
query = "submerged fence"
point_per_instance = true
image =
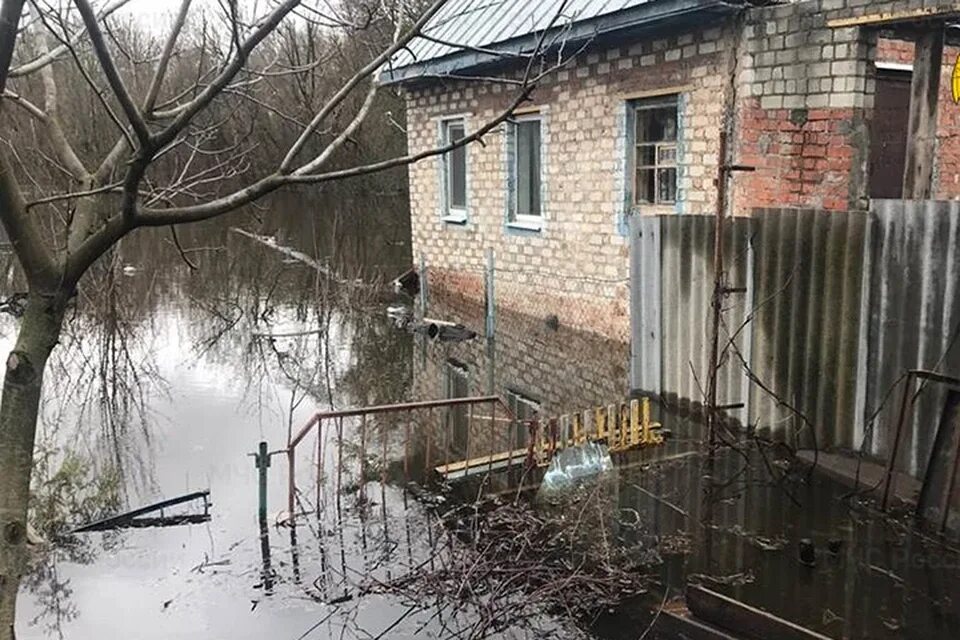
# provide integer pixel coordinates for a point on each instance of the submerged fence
(824, 313)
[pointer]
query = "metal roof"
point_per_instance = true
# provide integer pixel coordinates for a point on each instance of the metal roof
(469, 33)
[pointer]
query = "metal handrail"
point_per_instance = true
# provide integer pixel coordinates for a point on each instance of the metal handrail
(389, 408)
(320, 416)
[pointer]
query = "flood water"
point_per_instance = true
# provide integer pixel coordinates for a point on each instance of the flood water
(173, 375)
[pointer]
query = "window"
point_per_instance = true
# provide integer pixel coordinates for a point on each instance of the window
(454, 163)
(524, 408)
(525, 181)
(457, 386)
(655, 151)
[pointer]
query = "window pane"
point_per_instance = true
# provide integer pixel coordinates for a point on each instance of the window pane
(645, 189)
(657, 125)
(646, 155)
(528, 167)
(456, 168)
(666, 154)
(667, 185)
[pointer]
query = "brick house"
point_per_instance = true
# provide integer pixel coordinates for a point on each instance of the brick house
(815, 95)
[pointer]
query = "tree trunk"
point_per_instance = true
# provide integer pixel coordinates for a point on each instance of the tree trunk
(19, 406)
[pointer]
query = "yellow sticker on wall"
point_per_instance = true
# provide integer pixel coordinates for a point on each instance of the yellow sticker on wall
(956, 80)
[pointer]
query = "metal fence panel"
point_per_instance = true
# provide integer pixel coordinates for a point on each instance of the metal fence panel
(914, 317)
(645, 304)
(672, 307)
(806, 341)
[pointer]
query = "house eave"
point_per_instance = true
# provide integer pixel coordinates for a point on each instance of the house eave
(605, 27)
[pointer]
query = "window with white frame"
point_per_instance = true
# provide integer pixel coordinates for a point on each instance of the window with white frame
(525, 166)
(454, 164)
(654, 127)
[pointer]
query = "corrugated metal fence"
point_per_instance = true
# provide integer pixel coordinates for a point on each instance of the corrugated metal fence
(825, 311)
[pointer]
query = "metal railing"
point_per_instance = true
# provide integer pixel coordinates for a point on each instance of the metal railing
(318, 419)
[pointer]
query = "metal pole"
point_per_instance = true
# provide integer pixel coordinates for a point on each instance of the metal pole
(319, 464)
(491, 331)
(493, 425)
(951, 487)
(363, 455)
(262, 460)
(291, 482)
(491, 298)
(424, 298)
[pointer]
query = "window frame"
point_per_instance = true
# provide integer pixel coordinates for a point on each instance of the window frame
(514, 219)
(671, 100)
(449, 212)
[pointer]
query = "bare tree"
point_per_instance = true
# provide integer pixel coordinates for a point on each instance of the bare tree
(178, 155)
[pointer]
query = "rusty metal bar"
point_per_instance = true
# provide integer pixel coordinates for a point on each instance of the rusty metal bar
(466, 452)
(493, 425)
(291, 483)
(387, 408)
(304, 430)
(319, 462)
(339, 461)
(951, 487)
(444, 441)
(363, 455)
(429, 440)
(383, 455)
(406, 447)
(933, 376)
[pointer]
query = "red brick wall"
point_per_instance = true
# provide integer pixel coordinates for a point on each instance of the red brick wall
(802, 157)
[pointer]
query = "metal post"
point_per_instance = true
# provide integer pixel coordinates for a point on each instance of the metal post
(493, 426)
(951, 487)
(424, 297)
(291, 482)
(491, 305)
(406, 450)
(490, 297)
(363, 456)
(319, 463)
(262, 460)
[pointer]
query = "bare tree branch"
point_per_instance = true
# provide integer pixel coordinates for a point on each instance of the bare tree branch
(10, 14)
(154, 91)
(22, 230)
(49, 56)
(120, 91)
(266, 26)
(368, 69)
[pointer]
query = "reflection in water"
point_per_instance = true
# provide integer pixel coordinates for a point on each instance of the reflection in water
(734, 521)
(169, 377)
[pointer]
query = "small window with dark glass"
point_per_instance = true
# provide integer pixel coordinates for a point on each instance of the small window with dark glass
(655, 151)
(526, 170)
(454, 170)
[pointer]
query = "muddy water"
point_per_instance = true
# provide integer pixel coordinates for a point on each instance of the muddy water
(169, 373)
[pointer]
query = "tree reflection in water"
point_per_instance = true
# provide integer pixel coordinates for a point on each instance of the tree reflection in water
(219, 298)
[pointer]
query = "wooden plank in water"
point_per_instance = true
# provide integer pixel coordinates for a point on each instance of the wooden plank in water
(124, 519)
(742, 619)
(518, 455)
